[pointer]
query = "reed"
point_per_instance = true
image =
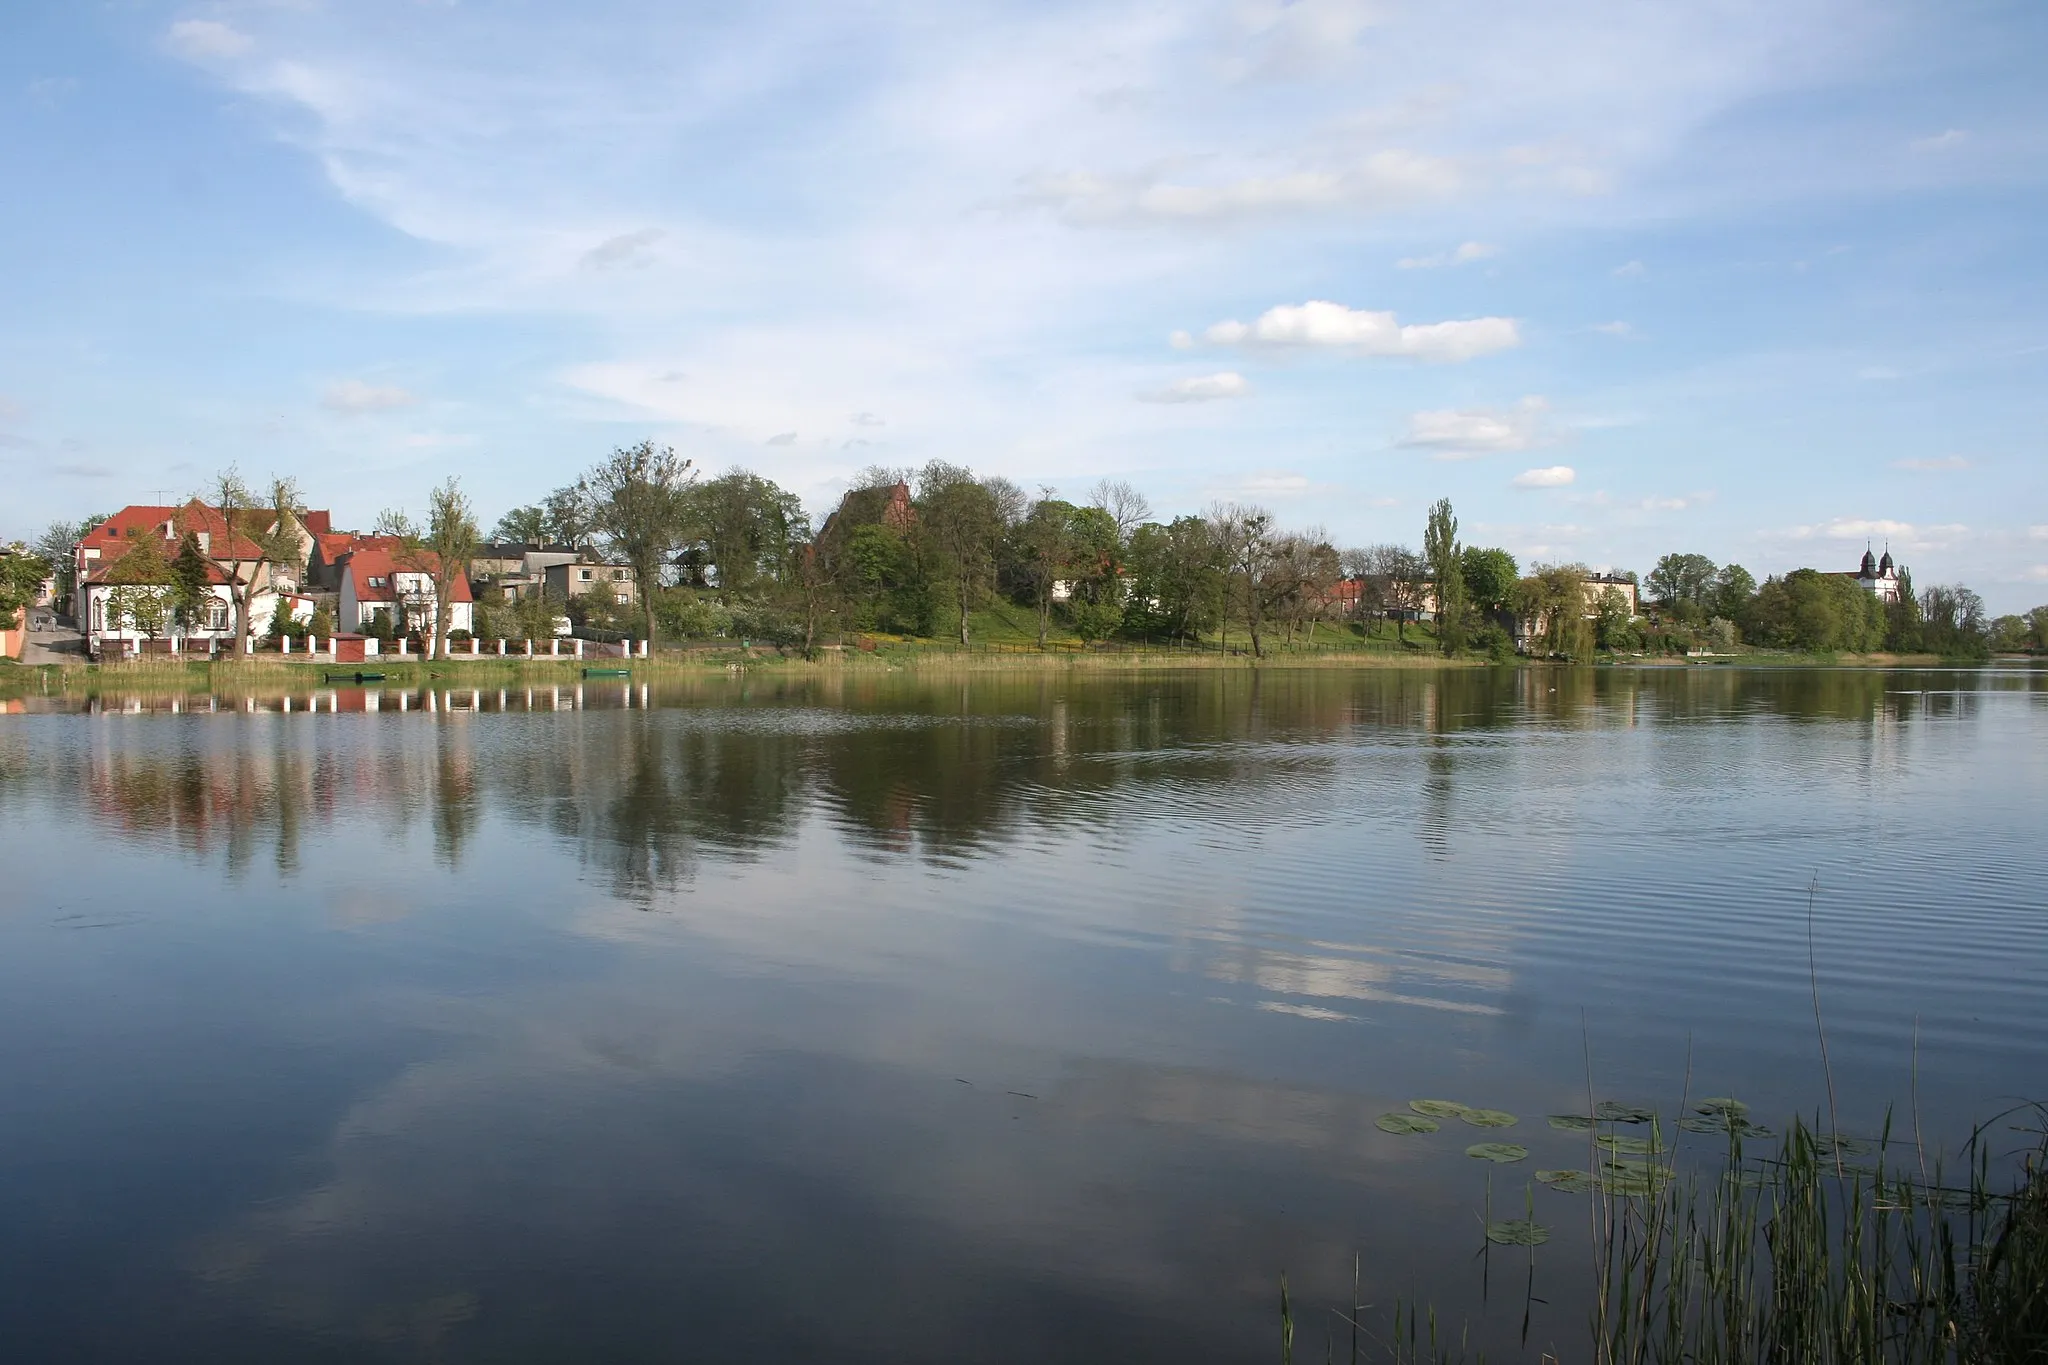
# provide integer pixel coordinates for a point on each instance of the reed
(1826, 1251)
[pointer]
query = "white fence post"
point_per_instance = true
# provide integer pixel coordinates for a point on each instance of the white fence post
(579, 646)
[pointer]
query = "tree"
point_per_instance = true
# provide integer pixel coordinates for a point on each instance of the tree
(1395, 579)
(744, 525)
(1552, 605)
(2037, 629)
(189, 595)
(1683, 585)
(1124, 505)
(1953, 622)
(1613, 623)
(245, 538)
(1810, 610)
(22, 572)
(1446, 568)
(1732, 589)
(635, 500)
(522, 526)
(1904, 631)
(1177, 577)
(1245, 543)
(957, 522)
(442, 550)
(56, 545)
(1490, 578)
(1045, 543)
(144, 596)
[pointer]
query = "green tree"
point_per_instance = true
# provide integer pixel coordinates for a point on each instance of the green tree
(1552, 605)
(1177, 578)
(2007, 634)
(2037, 629)
(744, 525)
(22, 572)
(522, 526)
(1447, 571)
(1044, 547)
(1814, 611)
(635, 500)
(1904, 631)
(191, 603)
(1683, 586)
(958, 522)
(56, 545)
(1732, 590)
(1490, 578)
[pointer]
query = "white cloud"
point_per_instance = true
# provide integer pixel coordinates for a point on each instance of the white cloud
(1321, 323)
(1462, 433)
(1900, 535)
(866, 419)
(1614, 329)
(201, 40)
(354, 396)
(2037, 573)
(1933, 466)
(2037, 533)
(626, 249)
(1181, 341)
(1941, 141)
(1382, 182)
(1469, 251)
(1555, 476)
(1200, 389)
(1632, 270)
(782, 438)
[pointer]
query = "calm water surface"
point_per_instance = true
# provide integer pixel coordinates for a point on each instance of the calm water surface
(986, 1019)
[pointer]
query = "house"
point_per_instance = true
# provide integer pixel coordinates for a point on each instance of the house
(513, 570)
(330, 547)
(399, 584)
(1597, 585)
(566, 582)
(1878, 577)
(128, 615)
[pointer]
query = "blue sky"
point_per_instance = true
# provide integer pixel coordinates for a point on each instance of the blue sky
(1753, 278)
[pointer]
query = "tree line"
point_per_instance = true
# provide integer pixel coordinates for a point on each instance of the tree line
(918, 552)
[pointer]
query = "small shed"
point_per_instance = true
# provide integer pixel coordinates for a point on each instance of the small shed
(351, 649)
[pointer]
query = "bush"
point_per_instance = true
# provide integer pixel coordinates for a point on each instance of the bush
(458, 637)
(1494, 642)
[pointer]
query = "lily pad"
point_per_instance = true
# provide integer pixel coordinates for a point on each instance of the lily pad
(1622, 1145)
(1839, 1143)
(1497, 1151)
(1489, 1118)
(1439, 1109)
(1633, 1178)
(1517, 1232)
(1722, 1105)
(1405, 1123)
(1571, 1123)
(1723, 1123)
(1613, 1111)
(1566, 1182)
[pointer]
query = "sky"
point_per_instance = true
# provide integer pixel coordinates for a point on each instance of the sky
(1757, 279)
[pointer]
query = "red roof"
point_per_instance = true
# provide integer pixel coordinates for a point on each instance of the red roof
(364, 565)
(335, 544)
(317, 523)
(114, 537)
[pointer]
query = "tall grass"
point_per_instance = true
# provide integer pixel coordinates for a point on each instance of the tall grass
(1825, 1252)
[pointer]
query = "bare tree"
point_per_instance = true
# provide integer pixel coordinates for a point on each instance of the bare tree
(246, 539)
(442, 550)
(1125, 505)
(1245, 537)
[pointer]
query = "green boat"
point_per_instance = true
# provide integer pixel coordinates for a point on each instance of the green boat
(607, 672)
(352, 677)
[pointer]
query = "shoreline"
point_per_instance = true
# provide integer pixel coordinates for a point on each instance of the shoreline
(271, 671)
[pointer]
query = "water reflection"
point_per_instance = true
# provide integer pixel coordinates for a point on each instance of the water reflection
(906, 1019)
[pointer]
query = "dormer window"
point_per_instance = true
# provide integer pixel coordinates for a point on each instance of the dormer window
(376, 580)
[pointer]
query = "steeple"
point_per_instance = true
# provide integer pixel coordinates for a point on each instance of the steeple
(1869, 569)
(1884, 566)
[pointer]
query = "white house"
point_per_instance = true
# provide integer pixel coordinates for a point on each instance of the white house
(126, 616)
(401, 586)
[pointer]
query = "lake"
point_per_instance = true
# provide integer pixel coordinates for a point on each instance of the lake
(998, 1017)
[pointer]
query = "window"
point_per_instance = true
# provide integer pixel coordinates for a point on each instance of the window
(583, 575)
(217, 616)
(376, 581)
(618, 575)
